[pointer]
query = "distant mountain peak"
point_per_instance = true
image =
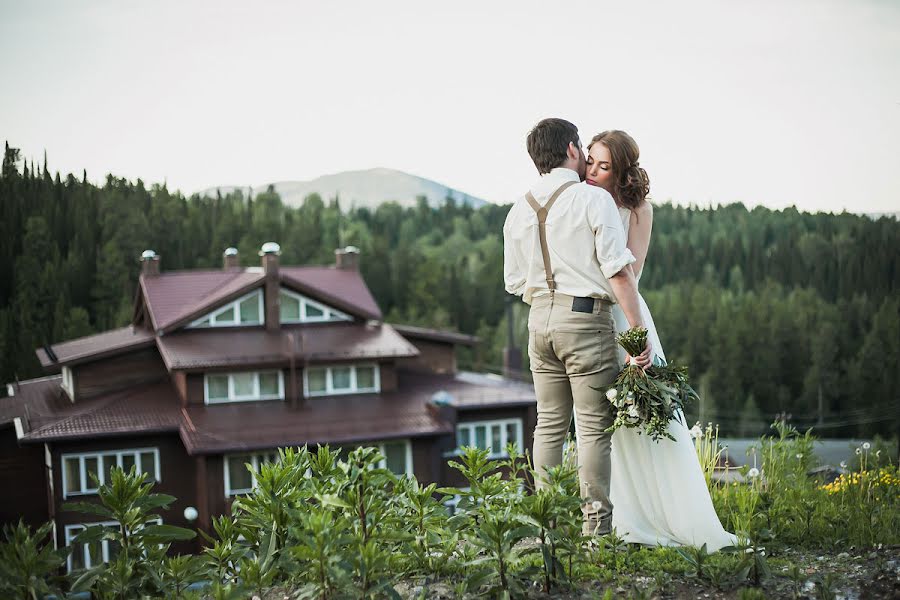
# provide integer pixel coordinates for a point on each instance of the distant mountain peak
(364, 188)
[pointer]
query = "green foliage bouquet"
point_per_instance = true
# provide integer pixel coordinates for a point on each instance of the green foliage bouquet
(649, 399)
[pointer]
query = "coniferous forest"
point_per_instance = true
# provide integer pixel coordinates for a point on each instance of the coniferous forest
(776, 313)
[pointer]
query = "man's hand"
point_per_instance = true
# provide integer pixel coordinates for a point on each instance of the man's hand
(643, 360)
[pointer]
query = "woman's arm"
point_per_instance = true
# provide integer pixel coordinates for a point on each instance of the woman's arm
(641, 223)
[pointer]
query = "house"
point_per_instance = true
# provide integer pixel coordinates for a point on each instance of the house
(220, 368)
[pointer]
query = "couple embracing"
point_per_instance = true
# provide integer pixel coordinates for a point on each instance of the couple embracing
(574, 249)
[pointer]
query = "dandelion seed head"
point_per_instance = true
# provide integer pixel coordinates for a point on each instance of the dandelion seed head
(866, 445)
(754, 472)
(596, 505)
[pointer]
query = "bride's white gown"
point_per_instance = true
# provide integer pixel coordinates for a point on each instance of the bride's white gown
(657, 489)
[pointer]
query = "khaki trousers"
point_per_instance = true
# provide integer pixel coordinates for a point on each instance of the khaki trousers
(572, 353)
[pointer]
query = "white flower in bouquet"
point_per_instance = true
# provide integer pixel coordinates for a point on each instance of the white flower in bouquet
(611, 394)
(629, 398)
(633, 411)
(696, 431)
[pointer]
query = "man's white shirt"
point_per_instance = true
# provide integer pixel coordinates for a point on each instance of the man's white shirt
(585, 238)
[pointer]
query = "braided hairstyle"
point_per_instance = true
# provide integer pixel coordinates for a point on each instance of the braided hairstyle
(631, 181)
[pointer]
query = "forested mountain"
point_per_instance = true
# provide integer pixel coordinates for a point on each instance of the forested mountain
(773, 311)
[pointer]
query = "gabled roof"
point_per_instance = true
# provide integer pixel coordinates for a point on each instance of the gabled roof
(96, 346)
(240, 347)
(344, 289)
(33, 397)
(174, 298)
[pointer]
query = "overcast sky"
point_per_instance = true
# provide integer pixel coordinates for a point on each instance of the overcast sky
(773, 103)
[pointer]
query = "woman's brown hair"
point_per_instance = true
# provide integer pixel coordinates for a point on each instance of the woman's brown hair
(631, 181)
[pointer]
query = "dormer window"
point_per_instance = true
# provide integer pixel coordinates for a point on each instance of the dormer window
(246, 310)
(243, 387)
(296, 308)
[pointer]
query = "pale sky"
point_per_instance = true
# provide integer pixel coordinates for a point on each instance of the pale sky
(765, 102)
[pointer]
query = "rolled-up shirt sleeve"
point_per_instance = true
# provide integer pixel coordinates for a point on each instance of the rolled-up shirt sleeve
(609, 235)
(514, 275)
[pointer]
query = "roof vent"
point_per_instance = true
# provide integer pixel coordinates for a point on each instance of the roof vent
(270, 248)
(441, 398)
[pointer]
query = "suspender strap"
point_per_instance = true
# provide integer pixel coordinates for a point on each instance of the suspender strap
(542, 229)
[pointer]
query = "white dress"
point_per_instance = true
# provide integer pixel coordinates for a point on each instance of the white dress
(657, 489)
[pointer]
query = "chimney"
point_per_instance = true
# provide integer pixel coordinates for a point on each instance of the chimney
(269, 253)
(347, 258)
(149, 263)
(230, 258)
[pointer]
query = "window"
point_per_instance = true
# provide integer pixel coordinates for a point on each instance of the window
(246, 310)
(85, 556)
(397, 457)
(344, 379)
(240, 480)
(241, 387)
(492, 436)
(77, 468)
(296, 308)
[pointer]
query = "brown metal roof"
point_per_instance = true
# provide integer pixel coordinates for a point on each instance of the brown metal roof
(33, 396)
(435, 335)
(334, 420)
(145, 408)
(344, 289)
(95, 346)
(235, 347)
(175, 297)
(155, 407)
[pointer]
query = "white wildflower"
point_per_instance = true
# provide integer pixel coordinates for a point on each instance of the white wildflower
(754, 472)
(859, 450)
(843, 464)
(877, 453)
(611, 394)
(799, 456)
(866, 445)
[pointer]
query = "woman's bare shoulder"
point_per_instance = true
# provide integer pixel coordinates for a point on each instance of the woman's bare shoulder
(643, 212)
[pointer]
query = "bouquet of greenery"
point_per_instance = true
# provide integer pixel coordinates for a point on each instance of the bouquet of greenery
(648, 399)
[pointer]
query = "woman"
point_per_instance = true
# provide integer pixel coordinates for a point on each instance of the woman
(657, 489)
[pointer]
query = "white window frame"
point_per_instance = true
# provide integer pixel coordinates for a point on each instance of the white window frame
(408, 454)
(453, 502)
(71, 531)
(256, 459)
(329, 380)
(328, 313)
(504, 438)
(235, 306)
(232, 397)
(86, 490)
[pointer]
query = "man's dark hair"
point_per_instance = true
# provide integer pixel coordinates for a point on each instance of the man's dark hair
(548, 142)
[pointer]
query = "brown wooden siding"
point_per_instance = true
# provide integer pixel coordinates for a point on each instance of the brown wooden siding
(388, 375)
(434, 357)
(118, 372)
(177, 474)
(23, 481)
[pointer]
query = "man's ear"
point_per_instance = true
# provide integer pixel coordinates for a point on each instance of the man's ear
(572, 151)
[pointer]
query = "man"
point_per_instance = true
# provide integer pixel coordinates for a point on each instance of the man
(565, 253)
